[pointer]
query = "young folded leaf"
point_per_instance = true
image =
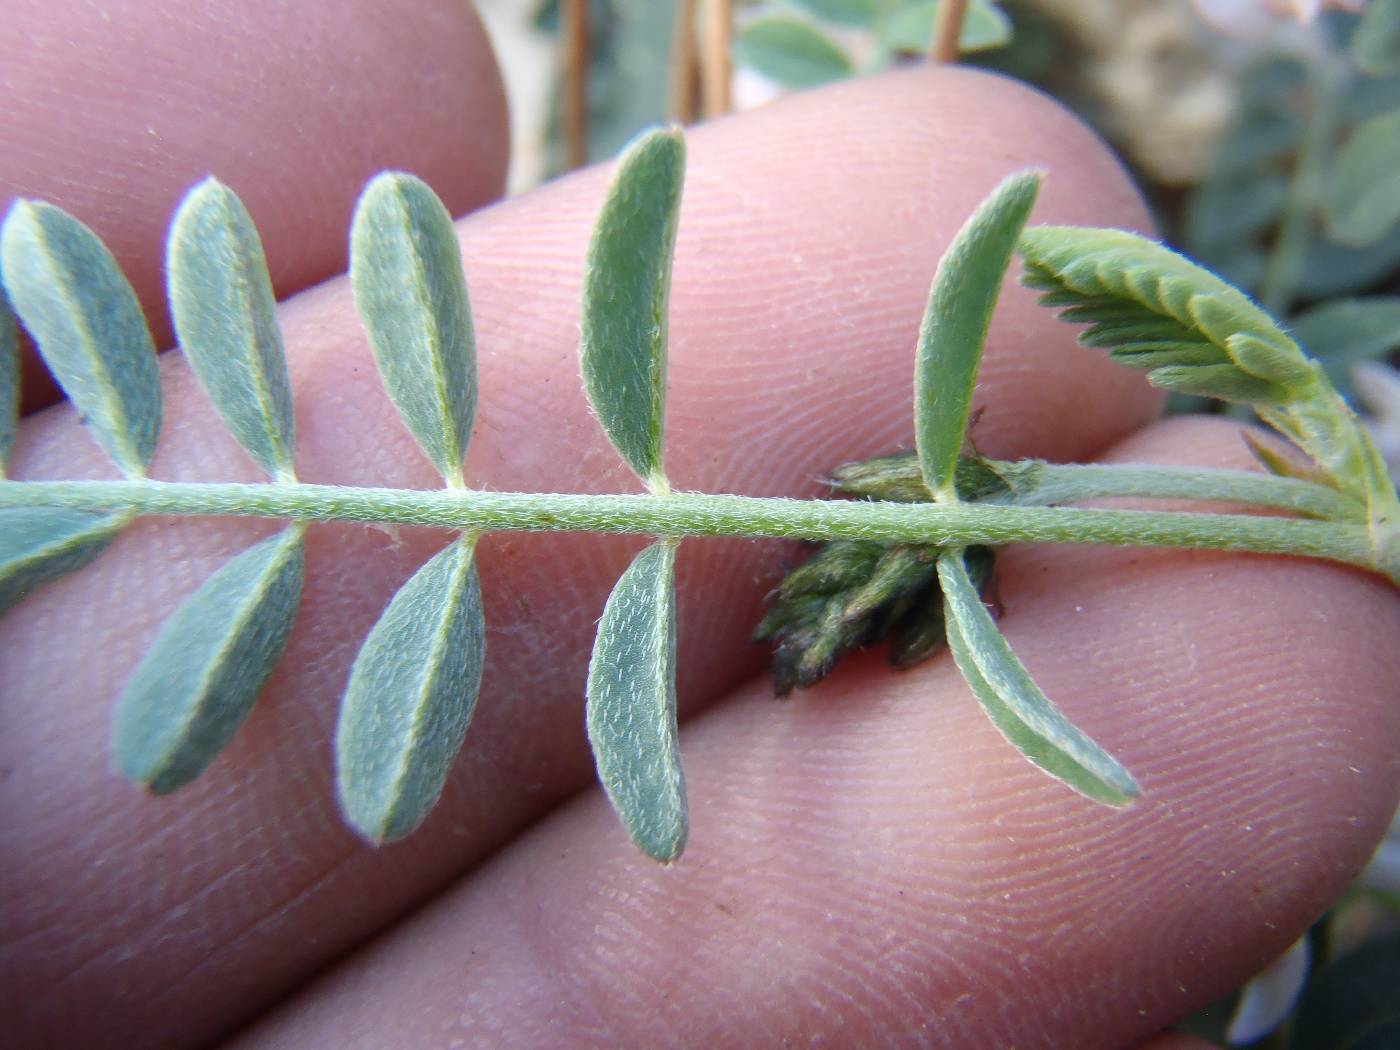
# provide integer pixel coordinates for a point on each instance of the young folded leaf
(1014, 703)
(41, 544)
(632, 704)
(406, 274)
(226, 318)
(197, 683)
(9, 380)
(1215, 343)
(72, 297)
(959, 312)
(411, 696)
(626, 288)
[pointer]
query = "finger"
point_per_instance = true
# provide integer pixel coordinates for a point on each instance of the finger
(872, 864)
(114, 111)
(798, 288)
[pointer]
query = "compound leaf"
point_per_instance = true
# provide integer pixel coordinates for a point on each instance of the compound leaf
(42, 544)
(632, 704)
(411, 696)
(198, 682)
(791, 52)
(225, 316)
(626, 287)
(1375, 46)
(959, 312)
(1015, 704)
(406, 274)
(1361, 202)
(72, 297)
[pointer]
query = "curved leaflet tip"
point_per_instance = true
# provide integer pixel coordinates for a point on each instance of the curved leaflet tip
(197, 683)
(632, 704)
(225, 316)
(626, 289)
(410, 697)
(71, 295)
(964, 294)
(406, 274)
(1014, 703)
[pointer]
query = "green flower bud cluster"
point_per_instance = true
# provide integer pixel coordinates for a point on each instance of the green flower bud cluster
(851, 594)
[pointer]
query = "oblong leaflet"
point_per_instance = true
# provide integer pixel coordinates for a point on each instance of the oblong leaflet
(406, 274)
(225, 316)
(72, 297)
(626, 289)
(632, 705)
(1014, 703)
(197, 683)
(410, 697)
(41, 544)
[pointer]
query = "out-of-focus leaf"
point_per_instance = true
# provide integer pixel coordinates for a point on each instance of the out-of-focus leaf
(9, 379)
(411, 696)
(959, 312)
(1269, 997)
(909, 27)
(226, 318)
(844, 12)
(791, 52)
(1014, 703)
(1344, 332)
(1260, 137)
(1375, 46)
(1225, 211)
(1352, 1003)
(197, 683)
(1332, 269)
(406, 273)
(632, 704)
(73, 298)
(41, 544)
(626, 291)
(1361, 202)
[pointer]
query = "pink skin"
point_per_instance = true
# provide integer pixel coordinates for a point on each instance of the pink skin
(865, 860)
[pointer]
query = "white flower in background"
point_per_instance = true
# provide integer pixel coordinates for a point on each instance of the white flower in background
(1268, 998)
(1256, 17)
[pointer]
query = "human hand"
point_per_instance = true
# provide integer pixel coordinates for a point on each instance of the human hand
(870, 864)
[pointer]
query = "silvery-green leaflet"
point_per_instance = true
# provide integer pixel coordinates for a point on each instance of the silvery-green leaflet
(906, 556)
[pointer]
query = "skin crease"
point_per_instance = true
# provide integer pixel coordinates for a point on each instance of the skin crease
(186, 916)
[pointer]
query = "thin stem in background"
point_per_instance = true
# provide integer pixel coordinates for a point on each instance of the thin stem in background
(947, 31)
(685, 65)
(1327, 81)
(716, 69)
(576, 37)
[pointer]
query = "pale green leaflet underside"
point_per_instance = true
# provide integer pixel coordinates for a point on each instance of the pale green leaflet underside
(226, 318)
(410, 698)
(42, 544)
(406, 272)
(9, 379)
(626, 288)
(954, 330)
(632, 704)
(73, 298)
(197, 683)
(1013, 701)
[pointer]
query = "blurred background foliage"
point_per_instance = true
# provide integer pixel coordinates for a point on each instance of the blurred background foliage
(1268, 148)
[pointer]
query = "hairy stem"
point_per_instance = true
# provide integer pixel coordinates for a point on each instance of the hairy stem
(694, 514)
